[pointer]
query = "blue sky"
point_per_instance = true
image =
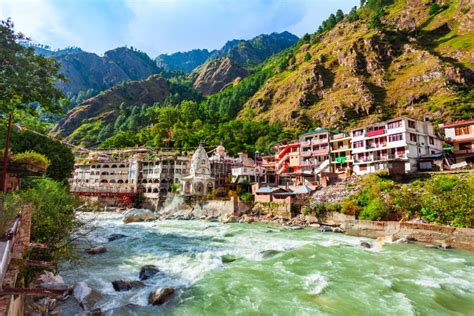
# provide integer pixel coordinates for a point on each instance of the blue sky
(162, 26)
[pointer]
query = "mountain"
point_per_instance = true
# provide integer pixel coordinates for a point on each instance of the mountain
(105, 106)
(216, 74)
(243, 52)
(88, 72)
(413, 59)
(385, 59)
(235, 58)
(183, 61)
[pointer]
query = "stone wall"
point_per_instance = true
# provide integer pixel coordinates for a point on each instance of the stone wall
(462, 238)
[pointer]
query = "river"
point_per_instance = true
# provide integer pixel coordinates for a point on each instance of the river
(277, 271)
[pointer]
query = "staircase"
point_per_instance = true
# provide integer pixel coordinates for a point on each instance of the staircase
(322, 166)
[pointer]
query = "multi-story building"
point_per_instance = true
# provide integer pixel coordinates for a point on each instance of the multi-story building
(314, 150)
(461, 136)
(341, 153)
(287, 159)
(376, 146)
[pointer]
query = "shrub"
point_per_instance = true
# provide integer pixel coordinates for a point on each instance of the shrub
(434, 8)
(375, 210)
(53, 217)
(246, 197)
(350, 207)
(333, 207)
(32, 158)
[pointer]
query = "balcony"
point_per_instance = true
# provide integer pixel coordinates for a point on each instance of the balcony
(321, 152)
(306, 153)
(305, 143)
(319, 141)
(376, 132)
(376, 145)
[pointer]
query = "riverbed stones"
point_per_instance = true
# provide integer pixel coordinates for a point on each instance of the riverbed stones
(365, 244)
(96, 250)
(148, 271)
(86, 296)
(160, 296)
(138, 215)
(114, 237)
(126, 285)
(228, 258)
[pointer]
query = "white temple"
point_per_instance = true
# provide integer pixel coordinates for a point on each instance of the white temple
(199, 181)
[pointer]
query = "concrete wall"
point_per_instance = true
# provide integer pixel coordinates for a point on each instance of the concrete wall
(462, 238)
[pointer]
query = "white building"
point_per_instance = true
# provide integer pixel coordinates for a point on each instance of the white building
(460, 135)
(199, 181)
(377, 146)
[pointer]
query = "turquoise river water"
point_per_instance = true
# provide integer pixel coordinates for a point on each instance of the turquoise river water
(277, 271)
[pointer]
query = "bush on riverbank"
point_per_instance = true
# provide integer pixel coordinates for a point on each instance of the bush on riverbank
(442, 199)
(53, 217)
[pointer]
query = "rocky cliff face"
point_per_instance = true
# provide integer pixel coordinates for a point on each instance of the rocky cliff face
(183, 61)
(86, 71)
(216, 74)
(416, 64)
(104, 107)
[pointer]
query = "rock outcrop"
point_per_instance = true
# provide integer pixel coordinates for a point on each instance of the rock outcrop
(148, 271)
(126, 285)
(138, 215)
(86, 296)
(96, 250)
(216, 74)
(160, 296)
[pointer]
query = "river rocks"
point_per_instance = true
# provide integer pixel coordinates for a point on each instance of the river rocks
(114, 237)
(228, 258)
(94, 312)
(126, 285)
(365, 244)
(148, 271)
(138, 215)
(96, 250)
(338, 230)
(444, 246)
(247, 219)
(230, 218)
(160, 295)
(86, 296)
(49, 281)
(269, 253)
(325, 229)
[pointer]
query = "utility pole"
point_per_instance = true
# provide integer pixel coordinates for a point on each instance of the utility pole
(5, 155)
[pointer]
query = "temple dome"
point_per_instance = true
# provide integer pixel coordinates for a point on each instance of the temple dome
(200, 165)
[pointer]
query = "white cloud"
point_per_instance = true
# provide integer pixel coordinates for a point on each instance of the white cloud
(38, 19)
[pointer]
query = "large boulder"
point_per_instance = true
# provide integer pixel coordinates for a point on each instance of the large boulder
(86, 296)
(96, 250)
(148, 271)
(47, 280)
(138, 215)
(125, 285)
(160, 295)
(365, 244)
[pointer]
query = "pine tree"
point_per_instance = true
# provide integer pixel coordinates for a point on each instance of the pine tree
(339, 15)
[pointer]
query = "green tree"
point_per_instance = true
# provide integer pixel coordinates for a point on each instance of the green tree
(26, 80)
(353, 15)
(339, 15)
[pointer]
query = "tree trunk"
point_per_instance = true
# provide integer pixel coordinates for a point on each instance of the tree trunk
(3, 184)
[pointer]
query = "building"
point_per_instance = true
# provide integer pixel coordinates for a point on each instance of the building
(461, 136)
(314, 146)
(199, 181)
(287, 159)
(378, 146)
(341, 153)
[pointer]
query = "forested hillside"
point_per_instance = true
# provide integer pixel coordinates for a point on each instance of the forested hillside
(384, 59)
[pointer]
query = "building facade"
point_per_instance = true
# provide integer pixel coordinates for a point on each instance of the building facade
(377, 146)
(461, 136)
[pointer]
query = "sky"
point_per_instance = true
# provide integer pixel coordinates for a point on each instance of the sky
(162, 26)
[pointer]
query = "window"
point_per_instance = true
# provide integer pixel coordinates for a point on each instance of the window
(463, 130)
(413, 137)
(411, 124)
(465, 146)
(431, 141)
(358, 144)
(363, 167)
(393, 125)
(359, 132)
(395, 137)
